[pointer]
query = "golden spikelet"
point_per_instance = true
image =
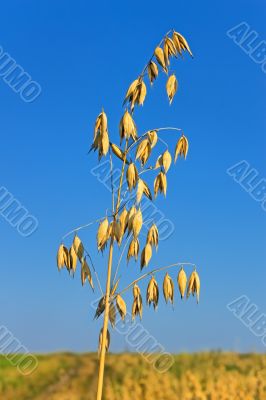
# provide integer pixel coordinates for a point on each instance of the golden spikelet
(131, 90)
(127, 127)
(152, 71)
(73, 259)
(171, 87)
(143, 151)
(100, 308)
(166, 160)
(137, 223)
(182, 282)
(121, 306)
(101, 138)
(107, 342)
(112, 314)
(118, 232)
(123, 220)
(133, 249)
(118, 152)
(132, 176)
(102, 234)
(136, 93)
(86, 273)
(146, 255)
(152, 295)
(130, 218)
(181, 147)
(159, 54)
(168, 288)
(160, 184)
(194, 285)
(181, 43)
(143, 189)
(63, 257)
(153, 137)
(78, 247)
(153, 236)
(142, 93)
(137, 302)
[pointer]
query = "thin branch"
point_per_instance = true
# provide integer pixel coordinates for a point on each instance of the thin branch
(95, 272)
(81, 227)
(154, 271)
(112, 181)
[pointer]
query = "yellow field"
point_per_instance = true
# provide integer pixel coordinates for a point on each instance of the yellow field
(203, 376)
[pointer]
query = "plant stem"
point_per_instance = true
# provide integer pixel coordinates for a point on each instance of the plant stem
(108, 286)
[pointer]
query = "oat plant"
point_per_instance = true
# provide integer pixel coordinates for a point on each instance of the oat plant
(119, 229)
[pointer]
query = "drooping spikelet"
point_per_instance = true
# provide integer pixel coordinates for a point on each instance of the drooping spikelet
(143, 189)
(132, 176)
(127, 127)
(63, 257)
(180, 43)
(168, 288)
(152, 71)
(137, 223)
(112, 314)
(136, 93)
(118, 152)
(153, 138)
(118, 232)
(86, 273)
(133, 249)
(143, 151)
(102, 234)
(166, 160)
(123, 220)
(153, 236)
(194, 285)
(73, 259)
(78, 247)
(101, 138)
(160, 184)
(107, 343)
(182, 282)
(130, 218)
(146, 255)
(152, 295)
(171, 87)
(181, 147)
(159, 54)
(121, 306)
(137, 302)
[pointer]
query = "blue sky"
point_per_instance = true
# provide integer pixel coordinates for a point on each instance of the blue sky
(84, 58)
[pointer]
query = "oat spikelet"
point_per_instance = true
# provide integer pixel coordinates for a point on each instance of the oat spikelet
(137, 302)
(194, 285)
(152, 71)
(112, 314)
(62, 257)
(86, 273)
(166, 160)
(131, 90)
(136, 93)
(123, 220)
(107, 342)
(102, 234)
(73, 259)
(143, 151)
(146, 255)
(133, 249)
(159, 54)
(118, 152)
(137, 223)
(132, 176)
(153, 236)
(118, 232)
(181, 147)
(171, 87)
(78, 247)
(130, 218)
(160, 184)
(168, 288)
(152, 295)
(181, 43)
(153, 138)
(127, 127)
(182, 282)
(121, 306)
(143, 189)
(100, 308)
(101, 138)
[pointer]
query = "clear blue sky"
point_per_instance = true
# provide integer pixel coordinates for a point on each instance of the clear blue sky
(84, 56)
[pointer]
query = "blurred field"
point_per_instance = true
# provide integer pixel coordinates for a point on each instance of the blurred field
(203, 376)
